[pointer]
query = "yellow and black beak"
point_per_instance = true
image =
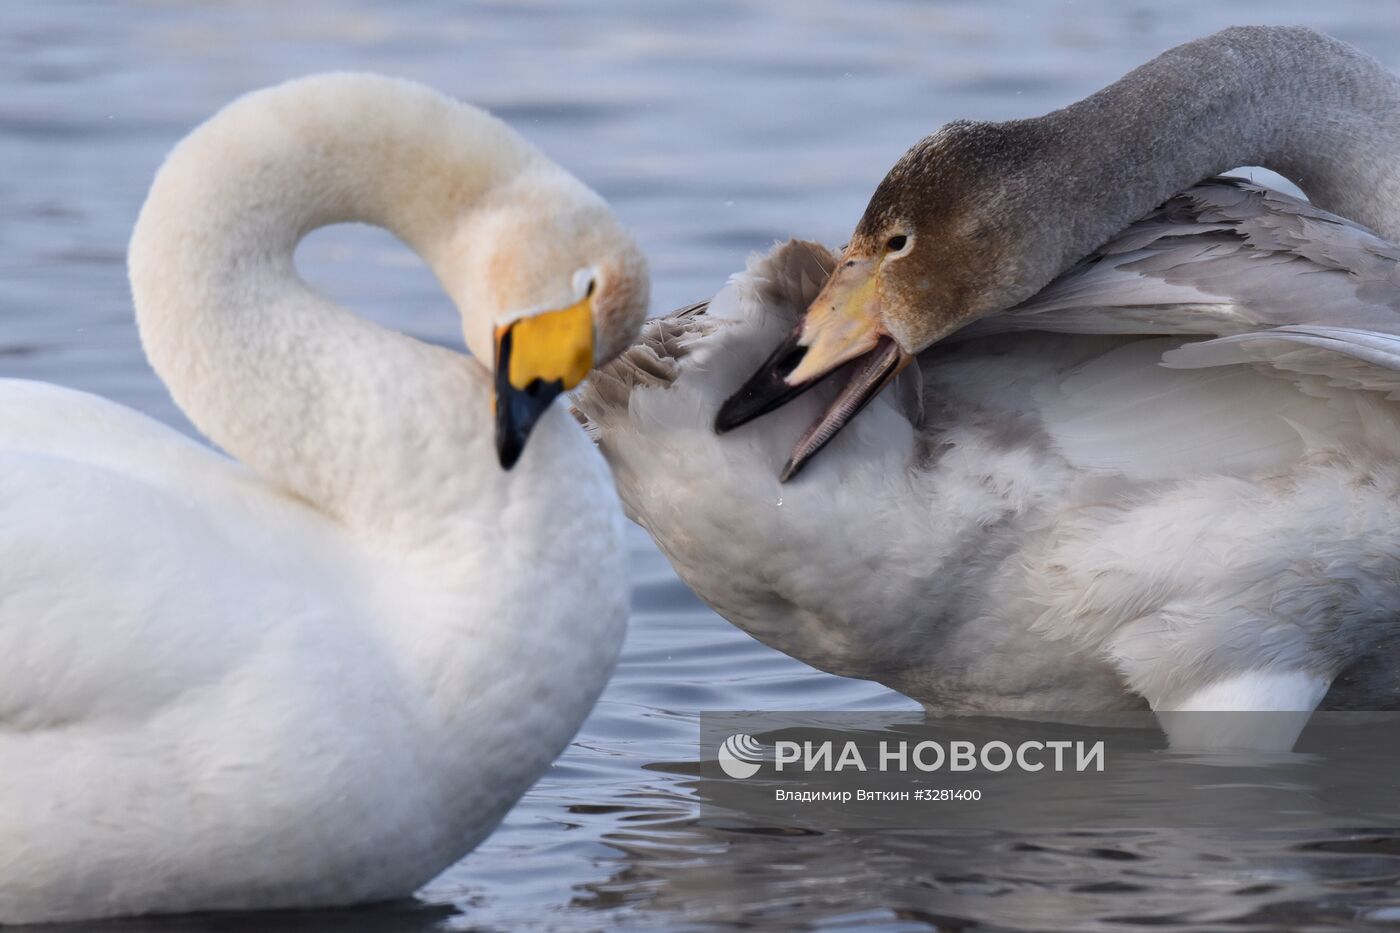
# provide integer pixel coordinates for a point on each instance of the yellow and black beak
(842, 325)
(537, 358)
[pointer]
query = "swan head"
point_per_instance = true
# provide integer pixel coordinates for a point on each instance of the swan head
(942, 242)
(946, 238)
(550, 285)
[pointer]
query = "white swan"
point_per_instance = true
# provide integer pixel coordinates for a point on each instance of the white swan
(321, 674)
(1056, 522)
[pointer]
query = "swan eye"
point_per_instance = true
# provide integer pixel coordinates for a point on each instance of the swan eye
(897, 243)
(585, 282)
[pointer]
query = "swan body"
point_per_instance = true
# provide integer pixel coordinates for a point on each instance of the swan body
(321, 672)
(1041, 521)
(1048, 519)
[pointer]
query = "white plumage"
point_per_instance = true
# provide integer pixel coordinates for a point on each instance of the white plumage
(321, 675)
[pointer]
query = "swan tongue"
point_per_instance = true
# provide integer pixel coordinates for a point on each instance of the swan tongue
(873, 371)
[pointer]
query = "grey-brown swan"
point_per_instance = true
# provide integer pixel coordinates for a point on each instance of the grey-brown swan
(1040, 515)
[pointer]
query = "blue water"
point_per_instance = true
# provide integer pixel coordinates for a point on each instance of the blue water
(713, 129)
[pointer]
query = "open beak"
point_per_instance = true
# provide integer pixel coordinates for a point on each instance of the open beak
(842, 324)
(873, 371)
(537, 358)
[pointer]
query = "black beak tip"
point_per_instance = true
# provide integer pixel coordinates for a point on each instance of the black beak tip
(518, 410)
(517, 413)
(730, 415)
(767, 388)
(508, 449)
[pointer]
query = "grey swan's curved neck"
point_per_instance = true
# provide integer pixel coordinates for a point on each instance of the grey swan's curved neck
(1314, 109)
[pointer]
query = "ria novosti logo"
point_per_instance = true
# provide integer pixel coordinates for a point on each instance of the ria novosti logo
(741, 755)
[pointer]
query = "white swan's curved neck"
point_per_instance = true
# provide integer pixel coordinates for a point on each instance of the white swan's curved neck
(307, 393)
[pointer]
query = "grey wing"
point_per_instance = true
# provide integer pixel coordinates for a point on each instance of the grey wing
(1276, 280)
(653, 361)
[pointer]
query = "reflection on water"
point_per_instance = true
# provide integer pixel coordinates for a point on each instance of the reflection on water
(714, 129)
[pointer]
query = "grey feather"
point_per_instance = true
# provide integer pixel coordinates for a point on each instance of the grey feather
(1230, 259)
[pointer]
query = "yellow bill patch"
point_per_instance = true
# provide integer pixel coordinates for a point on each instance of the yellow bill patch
(550, 346)
(842, 323)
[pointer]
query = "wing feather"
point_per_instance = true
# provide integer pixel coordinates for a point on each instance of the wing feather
(1267, 272)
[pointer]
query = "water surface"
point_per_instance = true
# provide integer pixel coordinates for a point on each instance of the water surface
(714, 129)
